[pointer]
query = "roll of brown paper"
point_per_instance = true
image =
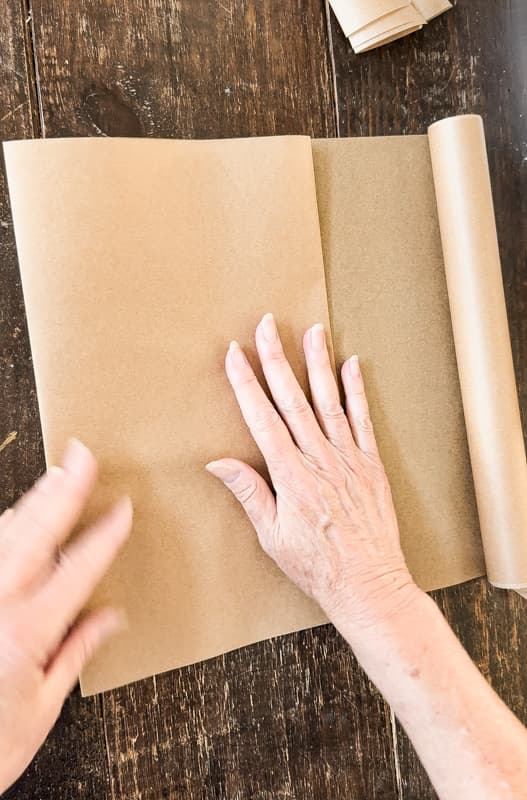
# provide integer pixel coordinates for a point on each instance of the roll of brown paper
(483, 350)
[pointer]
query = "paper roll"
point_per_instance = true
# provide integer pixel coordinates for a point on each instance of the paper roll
(483, 350)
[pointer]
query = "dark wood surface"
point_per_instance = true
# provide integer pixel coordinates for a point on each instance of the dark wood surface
(294, 717)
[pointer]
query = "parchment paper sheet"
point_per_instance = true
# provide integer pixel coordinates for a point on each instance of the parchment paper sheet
(388, 302)
(140, 259)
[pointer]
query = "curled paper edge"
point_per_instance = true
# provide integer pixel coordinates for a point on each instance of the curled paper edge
(391, 26)
(353, 15)
(430, 9)
(483, 349)
(521, 590)
(372, 23)
(384, 38)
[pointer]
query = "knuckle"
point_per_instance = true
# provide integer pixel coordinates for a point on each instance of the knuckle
(265, 418)
(357, 395)
(276, 354)
(73, 565)
(247, 377)
(246, 493)
(295, 404)
(67, 565)
(365, 424)
(84, 650)
(331, 411)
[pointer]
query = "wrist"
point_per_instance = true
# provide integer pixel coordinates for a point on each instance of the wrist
(382, 607)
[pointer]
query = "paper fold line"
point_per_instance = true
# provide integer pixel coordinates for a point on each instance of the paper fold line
(483, 349)
(372, 23)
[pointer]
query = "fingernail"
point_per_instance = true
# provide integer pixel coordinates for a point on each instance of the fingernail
(237, 355)
(353, 366)
(122, 620)
(268, 327)
(75, 457)
(115, 621)
(220, 470)
(123, 508)
(51, 478)
(318, 337)
(123, 505)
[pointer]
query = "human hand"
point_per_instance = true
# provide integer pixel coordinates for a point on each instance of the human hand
(331, 526)
(41, 596)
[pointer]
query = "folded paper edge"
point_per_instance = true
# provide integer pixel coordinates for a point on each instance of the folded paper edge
(356, 16)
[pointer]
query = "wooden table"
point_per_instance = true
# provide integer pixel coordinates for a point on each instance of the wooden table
(294, 717)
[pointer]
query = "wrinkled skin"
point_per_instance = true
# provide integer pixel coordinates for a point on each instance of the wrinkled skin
(330, 524)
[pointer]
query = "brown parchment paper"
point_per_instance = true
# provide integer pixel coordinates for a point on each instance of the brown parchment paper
(484, 357)
(398, 23)
(431, 8)
(140, 260)
(372, 23)
(356, 14)
(388, 303)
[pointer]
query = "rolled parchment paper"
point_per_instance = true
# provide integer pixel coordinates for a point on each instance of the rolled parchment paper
(483, 350)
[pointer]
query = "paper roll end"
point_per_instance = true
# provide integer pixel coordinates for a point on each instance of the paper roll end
(455, 121)
(519, 588)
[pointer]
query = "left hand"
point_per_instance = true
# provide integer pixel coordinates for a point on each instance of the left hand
(41, 655)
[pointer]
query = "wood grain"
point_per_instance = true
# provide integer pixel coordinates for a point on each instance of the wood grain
(294, 717)
(469, 60)
(21, 454)
(73, 761)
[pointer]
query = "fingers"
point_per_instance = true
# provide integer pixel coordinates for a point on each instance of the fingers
(81, 567)
(44, 517)
(266, 426)
(77, 649)
(285, 389)
(357, 407)
(324, 391)
(252, 492)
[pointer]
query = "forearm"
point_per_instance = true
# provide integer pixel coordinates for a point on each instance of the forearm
(469, 742)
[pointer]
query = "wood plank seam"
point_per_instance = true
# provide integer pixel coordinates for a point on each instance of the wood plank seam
(35, 99)
(99, 699)
(397, 763)
(334, 84)
(331, 54)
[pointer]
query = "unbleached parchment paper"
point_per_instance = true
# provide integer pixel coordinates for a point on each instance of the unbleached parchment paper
(372, 23)
(388, 302)
(484, 357)
(141, 259)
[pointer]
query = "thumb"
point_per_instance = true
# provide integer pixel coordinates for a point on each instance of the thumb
(251, 491)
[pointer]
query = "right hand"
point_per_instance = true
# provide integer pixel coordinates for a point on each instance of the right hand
(331, 525)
